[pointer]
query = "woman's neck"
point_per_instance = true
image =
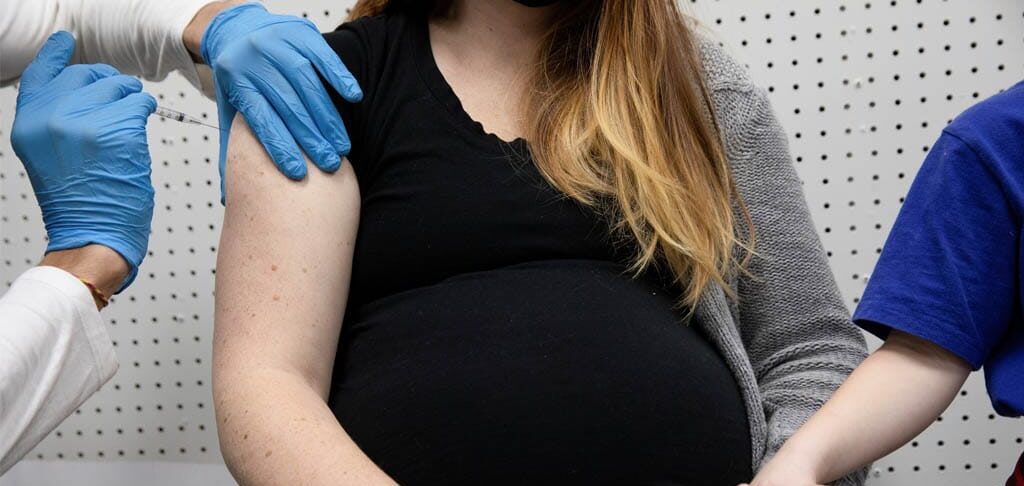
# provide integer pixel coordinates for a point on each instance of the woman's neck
(498, 29)
(487, 50)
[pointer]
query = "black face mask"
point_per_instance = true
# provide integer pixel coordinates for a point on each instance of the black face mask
(537, 3)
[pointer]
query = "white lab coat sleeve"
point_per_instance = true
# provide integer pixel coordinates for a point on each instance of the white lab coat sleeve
(139, 37)
(54, 353)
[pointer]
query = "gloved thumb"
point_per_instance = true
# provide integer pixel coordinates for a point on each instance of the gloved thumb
(108, 90)
(79, 76)
(141, 104)
(48, 63)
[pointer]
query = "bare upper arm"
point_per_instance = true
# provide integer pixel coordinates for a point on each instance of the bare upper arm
(926, 352)
(284, 264)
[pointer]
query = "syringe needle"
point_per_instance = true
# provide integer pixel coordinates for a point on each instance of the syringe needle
(191, 119)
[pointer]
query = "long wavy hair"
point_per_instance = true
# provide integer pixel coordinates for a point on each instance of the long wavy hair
(619, 118)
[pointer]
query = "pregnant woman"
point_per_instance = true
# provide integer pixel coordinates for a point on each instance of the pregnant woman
(538, 266)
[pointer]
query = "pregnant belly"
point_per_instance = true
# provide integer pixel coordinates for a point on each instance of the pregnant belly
(549, 372)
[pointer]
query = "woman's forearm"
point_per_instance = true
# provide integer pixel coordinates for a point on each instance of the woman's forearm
(894, 395)
(276, 429)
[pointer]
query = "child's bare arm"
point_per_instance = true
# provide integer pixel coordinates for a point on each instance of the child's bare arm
(888, 400)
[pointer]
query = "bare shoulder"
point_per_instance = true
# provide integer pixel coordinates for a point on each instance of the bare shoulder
(252, 180)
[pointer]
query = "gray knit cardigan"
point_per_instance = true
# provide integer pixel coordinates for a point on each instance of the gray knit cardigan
(787, 338)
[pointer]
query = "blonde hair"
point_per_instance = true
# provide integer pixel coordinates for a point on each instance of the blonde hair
(620, 119)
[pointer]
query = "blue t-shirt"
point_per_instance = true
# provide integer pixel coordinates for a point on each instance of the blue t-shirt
(951, 268)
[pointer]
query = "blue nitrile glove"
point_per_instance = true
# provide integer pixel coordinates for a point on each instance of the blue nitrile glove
(81, 133)
(265, 66)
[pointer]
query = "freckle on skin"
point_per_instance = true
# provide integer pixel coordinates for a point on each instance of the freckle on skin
(303, 269)
(268, 454)
(277, 297)
(245, 437)
(273, 268)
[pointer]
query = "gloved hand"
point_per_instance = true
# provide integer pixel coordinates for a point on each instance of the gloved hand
(80, 131)
(263, 65)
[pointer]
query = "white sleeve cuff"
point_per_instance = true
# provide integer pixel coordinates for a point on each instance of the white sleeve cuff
(169, 19)
(92, 327)
(54, 354)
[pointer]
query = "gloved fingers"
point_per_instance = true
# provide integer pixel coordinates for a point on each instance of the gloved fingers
(275, 137)
(48, 63)
(80, 75)
(123, 131)
(331, 67)
(292, 113)
(314, 97)
(108, 90)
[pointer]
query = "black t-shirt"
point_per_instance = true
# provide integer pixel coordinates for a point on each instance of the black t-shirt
(491, 335)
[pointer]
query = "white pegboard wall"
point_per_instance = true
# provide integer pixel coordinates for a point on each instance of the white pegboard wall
(863, 89)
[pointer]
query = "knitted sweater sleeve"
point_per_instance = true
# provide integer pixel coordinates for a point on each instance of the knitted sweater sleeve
(796, 330)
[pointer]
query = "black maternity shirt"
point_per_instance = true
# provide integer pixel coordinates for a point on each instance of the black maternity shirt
(491, 335)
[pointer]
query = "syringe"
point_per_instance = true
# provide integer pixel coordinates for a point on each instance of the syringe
(181, 117)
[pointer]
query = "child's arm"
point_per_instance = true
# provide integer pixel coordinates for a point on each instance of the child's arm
(891, 397)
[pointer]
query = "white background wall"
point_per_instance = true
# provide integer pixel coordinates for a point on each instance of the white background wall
(863, 88)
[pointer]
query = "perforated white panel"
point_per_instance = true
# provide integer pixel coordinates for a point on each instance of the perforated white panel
(863, 88)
